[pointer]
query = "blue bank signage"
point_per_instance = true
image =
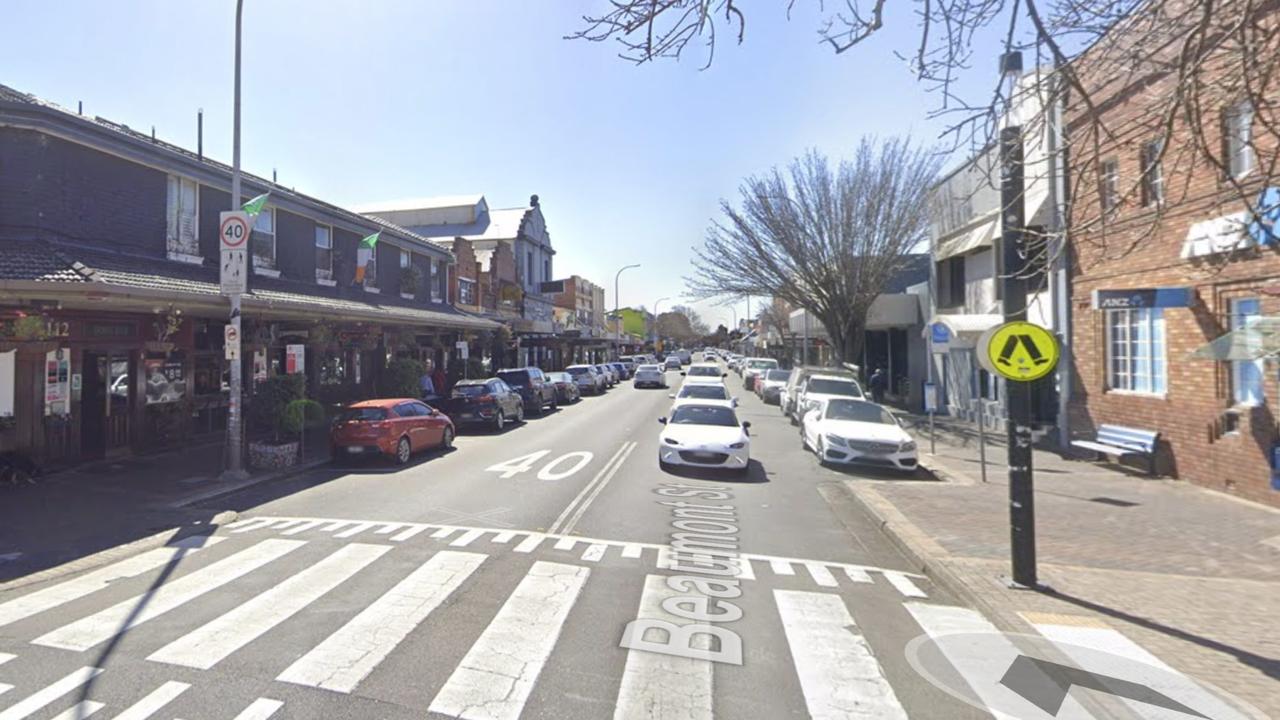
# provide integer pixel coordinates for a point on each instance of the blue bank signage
(1134, 298)
(941, 333)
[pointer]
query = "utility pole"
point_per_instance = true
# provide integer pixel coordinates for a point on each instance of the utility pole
(235, 470)
(1022, 523)
(617, 317)
(654, 334)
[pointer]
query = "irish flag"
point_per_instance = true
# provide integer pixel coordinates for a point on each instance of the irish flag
(254, 206)
(365, 253)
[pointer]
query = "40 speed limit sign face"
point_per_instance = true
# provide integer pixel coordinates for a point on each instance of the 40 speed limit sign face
(233, 237)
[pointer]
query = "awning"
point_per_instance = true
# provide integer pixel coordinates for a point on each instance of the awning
(964, 330)
(1218, 235)
(1259, 338)
(979, 236)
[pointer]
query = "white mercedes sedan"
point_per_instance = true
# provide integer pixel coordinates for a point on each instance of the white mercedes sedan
(706, 435)
(845, 430)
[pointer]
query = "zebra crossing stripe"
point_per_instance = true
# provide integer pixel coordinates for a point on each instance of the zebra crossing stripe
(406, 534)
(346, 657)
(495, 678)
(388, 528)
(65, 592)
(656, 686)
(37, 701)
(467, 538)
(821, 575)
(6, 657)
(255, 524)
(594, 552)
(356, 530)
(781, 567)
(857, 575)
(443, 532)
(80, 710)
(530, 543)
(839, 675)
(207, 645)
(5, 688)
(504, 537)
(158, 698)
(303, 527)
(121, 617)
(903, 584)
(260, 709)
(632, 550)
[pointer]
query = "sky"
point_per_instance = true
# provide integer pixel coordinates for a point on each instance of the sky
(362, 101)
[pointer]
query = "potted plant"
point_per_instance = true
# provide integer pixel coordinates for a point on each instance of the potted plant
(268, 413)
(300, 416)
(166, 325)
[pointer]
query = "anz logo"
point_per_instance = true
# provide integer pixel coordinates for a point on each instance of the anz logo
(1120, 303)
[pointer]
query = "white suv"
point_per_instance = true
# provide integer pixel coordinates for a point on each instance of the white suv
(818, 387)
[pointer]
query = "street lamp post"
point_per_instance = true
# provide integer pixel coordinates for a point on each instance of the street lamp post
(618, 318)
(234, 470)
(654, 334)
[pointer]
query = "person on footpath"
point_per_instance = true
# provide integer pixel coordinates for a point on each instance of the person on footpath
(878, 382)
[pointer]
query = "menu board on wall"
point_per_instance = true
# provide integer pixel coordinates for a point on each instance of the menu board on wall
(57, 382)
(166, 381)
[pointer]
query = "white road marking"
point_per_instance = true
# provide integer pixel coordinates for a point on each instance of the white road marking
(89, 583)
(80, 710)
(467, 538)
(5, 688)
(207, 645)
(657, 686)
(565, 543)
(350, 654)
(353, 531)
(903, 584)
(255, 524)
(147, 706)
(632, 550)
(821, 575)
(121, 617)
(402, 536)
(388, 528)
(974, 662)
(857, 575)
(303, 527)
(838, 672)
(562, 523)
(260, 709)
(335, 525)
(780, 567)
(572, 522)
(6, 657)
(530, 543)
(594, 552)
(35, 702)
(495, 678)
(285, 524)
(443, 532)
(503, 537)
(240, 523)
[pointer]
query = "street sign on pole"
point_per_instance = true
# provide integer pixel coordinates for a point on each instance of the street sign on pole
(233, 239)
(463, 349)
(231, 342)
(1018, 351)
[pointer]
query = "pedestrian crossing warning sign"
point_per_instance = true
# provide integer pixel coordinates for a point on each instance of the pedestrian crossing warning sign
(1019, 351)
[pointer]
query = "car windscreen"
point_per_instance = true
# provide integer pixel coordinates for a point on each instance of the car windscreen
(705, 371)
(647, 369)
(515, 378)
(823, 386)
(777, 375)
(704, 415)
(460, 390)
(364, 414)
(859, 411)
(704, 392)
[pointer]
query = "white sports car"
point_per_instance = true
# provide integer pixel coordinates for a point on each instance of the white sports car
(845, 430)
(704, 435)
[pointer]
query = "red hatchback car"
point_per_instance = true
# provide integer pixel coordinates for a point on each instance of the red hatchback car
(395, 428)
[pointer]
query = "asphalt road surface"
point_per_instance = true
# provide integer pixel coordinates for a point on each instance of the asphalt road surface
(498, 581)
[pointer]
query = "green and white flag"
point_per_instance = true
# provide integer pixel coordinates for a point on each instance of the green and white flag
(254, 206)
(368, 247)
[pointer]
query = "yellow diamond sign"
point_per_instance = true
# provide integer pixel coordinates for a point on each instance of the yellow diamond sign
(1019, 351)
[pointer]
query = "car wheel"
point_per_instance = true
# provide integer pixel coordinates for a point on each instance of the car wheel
(520, 413)
(403, 451)
(499, 421)
(555, 403)
(804, 441)
(446, 442)
(821, 450)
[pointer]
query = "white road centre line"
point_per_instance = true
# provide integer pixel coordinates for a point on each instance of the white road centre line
(303, 527)
(503, 537)
(405, 535)
(780, 567)
(594, 552)
(467, 538)
(346, 657)
(857, 575)
(838, 673)
(657, 686)
(356, 530)
(556, 527)
(260, 709)
(38, 700)
(443, 532)
(530, 543)
(821, 575)
(80, 710)
(632, 550)
(92, 582)
(572, 522)
(121, 617)
(209, 644)
(903, 584)
(147, 706)
(495, 678)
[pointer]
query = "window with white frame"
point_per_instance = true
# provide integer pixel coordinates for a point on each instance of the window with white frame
(1246, 375)
(1109, 184)
(264, 239)
(528, 269)
(1136, 351)
(407, 286)
(1237, 132)
(466, 291)
(1152, 173)
(371, 271)
(324, 252)
(182, 239)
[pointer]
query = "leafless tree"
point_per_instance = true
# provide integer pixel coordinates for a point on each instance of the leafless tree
(682, 323)
(822, 237)
(776, 316)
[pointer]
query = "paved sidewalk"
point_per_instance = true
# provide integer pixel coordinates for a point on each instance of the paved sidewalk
(1192, 575)
(77, 512)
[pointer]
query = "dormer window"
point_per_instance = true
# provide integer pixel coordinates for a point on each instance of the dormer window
(182, 212)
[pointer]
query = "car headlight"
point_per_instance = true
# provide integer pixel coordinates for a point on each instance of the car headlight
(907, 446)
(835, 440)
(669, 441)
(738, 445)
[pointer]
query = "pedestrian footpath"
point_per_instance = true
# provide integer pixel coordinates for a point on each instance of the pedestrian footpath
(1191, 575)
(443, 621)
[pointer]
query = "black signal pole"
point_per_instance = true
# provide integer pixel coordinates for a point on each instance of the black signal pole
(1022, 520)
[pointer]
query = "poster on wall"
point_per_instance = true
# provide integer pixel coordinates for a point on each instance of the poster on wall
(295, 359)
(166, 381)
(57, 382)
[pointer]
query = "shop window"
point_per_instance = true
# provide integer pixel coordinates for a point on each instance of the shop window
(1246, 375)
(1237, 139)
(1136, 351)
(333, 368)
(466, 291)
(324, 252)
(1152, 173)
(1109, 184)
(264, 240)
(182, 237)
(437, 278)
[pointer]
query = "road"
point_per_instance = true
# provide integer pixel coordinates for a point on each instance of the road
(496, 581)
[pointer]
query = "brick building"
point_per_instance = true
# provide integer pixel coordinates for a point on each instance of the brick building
(1174, 281)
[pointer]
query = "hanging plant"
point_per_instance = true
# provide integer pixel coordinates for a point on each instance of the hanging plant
(167, 324)
(31, 327)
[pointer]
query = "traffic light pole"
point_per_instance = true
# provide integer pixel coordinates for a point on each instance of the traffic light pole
(1022, 520)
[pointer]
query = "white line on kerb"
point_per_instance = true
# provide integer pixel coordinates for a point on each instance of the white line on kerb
(573, 512)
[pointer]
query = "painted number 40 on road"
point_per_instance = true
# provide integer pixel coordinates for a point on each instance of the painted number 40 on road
(558, 469)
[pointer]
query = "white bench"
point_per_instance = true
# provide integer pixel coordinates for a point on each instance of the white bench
(1120, 441)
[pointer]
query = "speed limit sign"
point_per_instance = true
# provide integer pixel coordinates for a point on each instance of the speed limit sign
(233, 228)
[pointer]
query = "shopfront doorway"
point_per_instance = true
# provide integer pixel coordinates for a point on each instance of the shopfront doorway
(105, 403)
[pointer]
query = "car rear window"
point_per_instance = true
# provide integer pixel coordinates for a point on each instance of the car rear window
(470, 390)
(777, 375)
(704, 392)
(756, 364)
(823, 386)
(859, 411)
(515, 378)
(364, 414)
(575, 371)
(704, 371)
(704, 415)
